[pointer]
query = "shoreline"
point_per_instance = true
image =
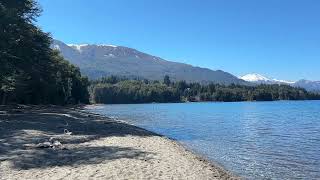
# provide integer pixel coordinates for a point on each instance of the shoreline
(98, 148)
(174, 141)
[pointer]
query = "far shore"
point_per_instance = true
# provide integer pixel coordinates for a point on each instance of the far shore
(50, 142)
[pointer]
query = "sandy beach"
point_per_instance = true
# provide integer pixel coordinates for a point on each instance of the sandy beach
(66, 143)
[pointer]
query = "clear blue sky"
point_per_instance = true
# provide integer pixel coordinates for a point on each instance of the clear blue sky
(277, 38)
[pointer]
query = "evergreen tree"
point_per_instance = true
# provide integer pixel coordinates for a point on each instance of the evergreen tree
(30, 71)
(166, 80)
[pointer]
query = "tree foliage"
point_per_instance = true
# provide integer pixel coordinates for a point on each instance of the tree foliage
(119, 90)
(30, 71)
(131, 91)
(166, 80)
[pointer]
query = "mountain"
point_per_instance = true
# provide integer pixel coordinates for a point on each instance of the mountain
(256, 78)
(308, 85)
(260, 79)
(97, 61)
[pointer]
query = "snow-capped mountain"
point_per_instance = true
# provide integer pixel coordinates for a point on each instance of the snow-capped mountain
(255, 78)
(260, 79)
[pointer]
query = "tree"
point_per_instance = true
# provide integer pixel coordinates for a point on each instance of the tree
(30, 71)
(166, 80)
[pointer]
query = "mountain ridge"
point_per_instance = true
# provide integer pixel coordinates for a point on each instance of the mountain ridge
(97, 61)
(260, 79)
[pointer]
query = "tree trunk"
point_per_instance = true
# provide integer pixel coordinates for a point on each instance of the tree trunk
(4, 98)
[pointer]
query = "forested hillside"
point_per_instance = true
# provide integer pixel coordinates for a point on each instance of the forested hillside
(120, 90)
(30, 71)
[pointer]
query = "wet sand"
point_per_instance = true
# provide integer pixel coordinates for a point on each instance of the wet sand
(96, 147)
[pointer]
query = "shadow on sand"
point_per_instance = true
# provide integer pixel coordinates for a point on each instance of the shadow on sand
(22, 128)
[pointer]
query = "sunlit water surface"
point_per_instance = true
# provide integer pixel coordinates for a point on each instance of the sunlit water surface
(256, 140)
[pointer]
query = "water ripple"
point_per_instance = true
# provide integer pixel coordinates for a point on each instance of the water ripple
(257, 140)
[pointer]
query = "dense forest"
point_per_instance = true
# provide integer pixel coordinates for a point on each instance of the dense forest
(115, 90)
(30, 71)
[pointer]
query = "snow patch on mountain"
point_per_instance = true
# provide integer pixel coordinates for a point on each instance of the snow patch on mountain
(77, 46)
(258, 78)
(254, 77)
(108, 45)
(283, 81)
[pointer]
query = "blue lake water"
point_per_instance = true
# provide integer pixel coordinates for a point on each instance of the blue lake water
(256, 140)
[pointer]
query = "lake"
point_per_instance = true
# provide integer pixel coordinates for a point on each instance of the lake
(256, 140)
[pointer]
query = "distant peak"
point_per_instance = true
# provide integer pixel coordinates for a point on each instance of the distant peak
(254, 77)
(307, 81)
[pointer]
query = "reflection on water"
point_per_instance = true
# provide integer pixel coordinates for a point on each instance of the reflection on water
(256, 140)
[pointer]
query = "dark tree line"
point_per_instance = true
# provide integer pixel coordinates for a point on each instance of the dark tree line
(115, 90)
(30, 71)
(120, 90)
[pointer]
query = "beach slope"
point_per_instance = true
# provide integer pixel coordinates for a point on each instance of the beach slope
(66, 143)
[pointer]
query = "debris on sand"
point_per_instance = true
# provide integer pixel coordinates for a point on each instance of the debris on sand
(67, 132)
(44, 145)
(54, 144)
